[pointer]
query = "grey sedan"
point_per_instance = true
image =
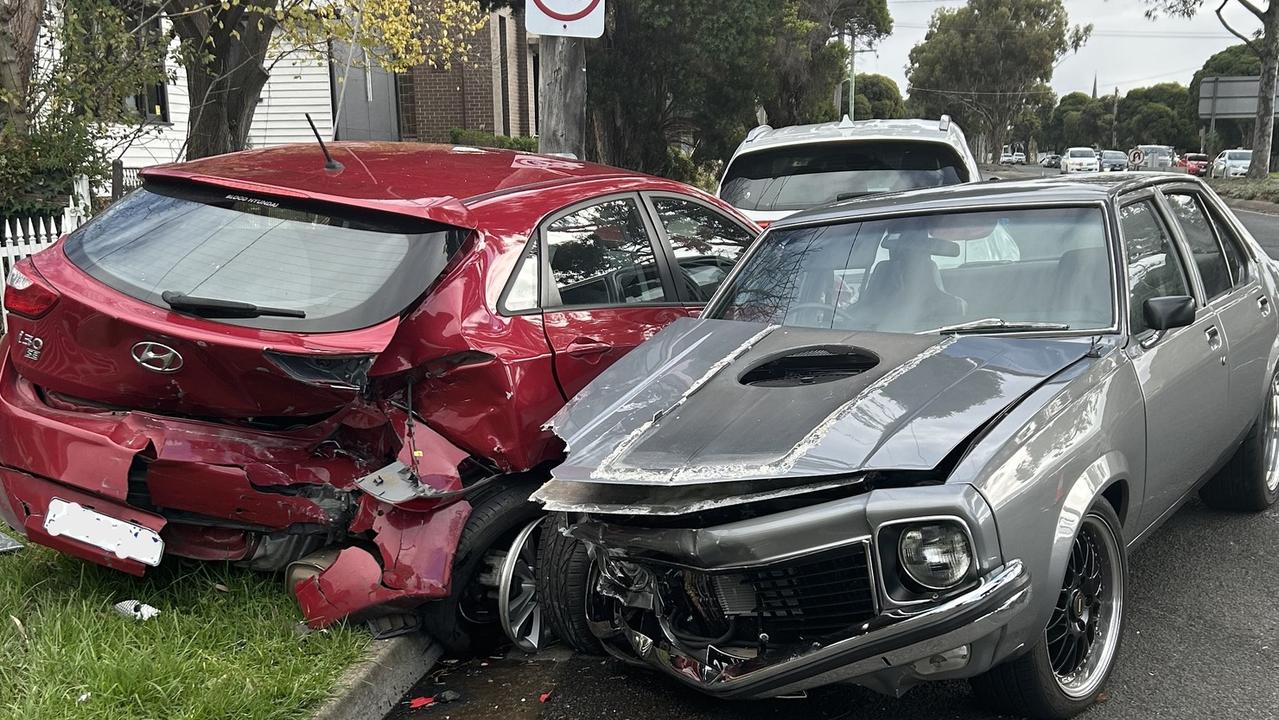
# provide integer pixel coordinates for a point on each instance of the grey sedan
(915, 437)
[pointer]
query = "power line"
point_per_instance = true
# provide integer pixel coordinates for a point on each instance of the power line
(1173, 35)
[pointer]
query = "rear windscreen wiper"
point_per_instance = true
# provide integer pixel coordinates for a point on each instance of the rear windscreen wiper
(998, 324)
(215, 308)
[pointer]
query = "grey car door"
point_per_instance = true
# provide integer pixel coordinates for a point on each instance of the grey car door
(1182, 377)
(1230, 282)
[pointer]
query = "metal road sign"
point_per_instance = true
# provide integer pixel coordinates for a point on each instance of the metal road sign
(570, 18)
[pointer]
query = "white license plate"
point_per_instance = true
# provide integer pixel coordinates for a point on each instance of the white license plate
(118, 537)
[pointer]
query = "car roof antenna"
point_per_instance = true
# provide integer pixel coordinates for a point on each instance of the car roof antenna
(329, 163)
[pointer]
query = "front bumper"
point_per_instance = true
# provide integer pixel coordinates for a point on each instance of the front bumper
(890, 644)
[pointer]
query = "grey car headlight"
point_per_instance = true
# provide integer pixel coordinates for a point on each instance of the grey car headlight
(936, 555)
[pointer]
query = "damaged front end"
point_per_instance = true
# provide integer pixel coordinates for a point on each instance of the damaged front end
(767, 510)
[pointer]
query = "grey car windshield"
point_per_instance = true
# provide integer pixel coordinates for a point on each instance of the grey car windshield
(1042, 268)
(804, 176)
(342, 267)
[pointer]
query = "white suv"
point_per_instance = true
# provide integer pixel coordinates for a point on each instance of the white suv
(776, 172)
(1080, 159)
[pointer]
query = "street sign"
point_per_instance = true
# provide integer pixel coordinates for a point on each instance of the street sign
(1136, 156)
(569, 18)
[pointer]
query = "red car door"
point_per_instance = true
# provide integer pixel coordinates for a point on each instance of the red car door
(606, 286)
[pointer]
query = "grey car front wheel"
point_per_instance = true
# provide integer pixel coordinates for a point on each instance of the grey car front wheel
(1063, 674)
(1250, 480)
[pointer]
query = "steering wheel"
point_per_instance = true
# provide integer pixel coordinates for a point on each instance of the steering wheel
(826, 313)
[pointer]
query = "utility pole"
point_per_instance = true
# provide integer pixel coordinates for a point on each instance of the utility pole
(852, 75)
(562, 98)
(1114, 121)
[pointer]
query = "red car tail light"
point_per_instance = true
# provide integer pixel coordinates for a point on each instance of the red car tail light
(26, 293)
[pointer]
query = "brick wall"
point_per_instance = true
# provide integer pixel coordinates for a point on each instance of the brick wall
(434, 101)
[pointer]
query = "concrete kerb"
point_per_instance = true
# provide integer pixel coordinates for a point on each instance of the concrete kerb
(371, 688)
(1258, 206)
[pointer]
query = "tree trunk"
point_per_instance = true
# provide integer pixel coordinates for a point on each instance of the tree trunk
(19, 29)
(226, 74)
(562, 100)
(1263, 130)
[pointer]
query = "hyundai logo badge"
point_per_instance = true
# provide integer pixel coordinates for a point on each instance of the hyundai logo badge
(157, 357)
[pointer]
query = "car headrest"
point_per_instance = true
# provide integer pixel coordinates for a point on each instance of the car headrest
(922, 245)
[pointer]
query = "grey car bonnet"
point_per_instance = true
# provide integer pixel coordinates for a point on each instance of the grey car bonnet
(676, 411)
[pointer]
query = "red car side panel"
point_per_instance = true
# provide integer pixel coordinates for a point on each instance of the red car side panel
(588, 341)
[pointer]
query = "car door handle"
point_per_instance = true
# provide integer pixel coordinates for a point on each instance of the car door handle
(1214, 337)
(1263, 303)
(586, 347)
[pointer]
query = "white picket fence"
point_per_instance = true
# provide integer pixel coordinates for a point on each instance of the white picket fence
(21, 236)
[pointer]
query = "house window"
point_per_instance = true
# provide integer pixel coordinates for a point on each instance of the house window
(152, 101)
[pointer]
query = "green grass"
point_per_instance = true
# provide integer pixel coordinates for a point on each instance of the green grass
(210, 653)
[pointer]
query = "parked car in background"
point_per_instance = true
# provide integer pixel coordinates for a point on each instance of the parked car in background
(1080, 159)
(1113, 161)
(1196, 164)
(1019, 158)
(1231, 164)
(1006, 158)
(958, 457)
(776, 172)
(1051, 161)
(341, 374)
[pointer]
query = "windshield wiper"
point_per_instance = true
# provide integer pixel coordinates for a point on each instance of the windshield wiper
(994, 323)
(215, 308)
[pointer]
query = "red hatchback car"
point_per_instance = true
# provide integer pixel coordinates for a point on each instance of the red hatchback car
(340, 372)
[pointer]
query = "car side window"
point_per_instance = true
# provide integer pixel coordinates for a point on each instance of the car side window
(1153, 267)
(706, 243)
(522, 296)
(1188, 212)
(602, 255)
(1236, 256)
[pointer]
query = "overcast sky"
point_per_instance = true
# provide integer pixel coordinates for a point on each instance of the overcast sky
(1126, 49)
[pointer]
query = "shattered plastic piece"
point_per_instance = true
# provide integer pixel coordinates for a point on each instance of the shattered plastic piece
(544, 697)
(418, 703)
(8, 544)
(136, 610)
(221, 588)
(84, 698)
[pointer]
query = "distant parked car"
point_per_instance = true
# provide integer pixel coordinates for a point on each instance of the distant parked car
(1019, 158)
(1231, 164)
(1196, 163)
(1006, 159)
(1080, 159)
(776, 172)
(1154, 157)
(1113, 161)
(1051, 161)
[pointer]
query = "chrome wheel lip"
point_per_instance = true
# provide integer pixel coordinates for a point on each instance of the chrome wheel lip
(518, 606)
(1099, 656)
(1270, 426)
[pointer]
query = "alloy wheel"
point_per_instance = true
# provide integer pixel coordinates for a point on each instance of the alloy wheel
(1270, 426)
(517, 601)
(1083, 634)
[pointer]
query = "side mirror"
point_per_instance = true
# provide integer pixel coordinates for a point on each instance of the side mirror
(1166, 313)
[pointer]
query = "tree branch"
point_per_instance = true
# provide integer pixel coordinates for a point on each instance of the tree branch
(1247, 40)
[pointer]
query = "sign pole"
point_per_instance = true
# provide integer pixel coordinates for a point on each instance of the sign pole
(562, 99)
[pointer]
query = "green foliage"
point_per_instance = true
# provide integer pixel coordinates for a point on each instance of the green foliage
(807, 62)
(1234, 60)
(982, 62)
(676, 73)
(75, 112)
(479, 138)
(1155, 115)
(881, 96)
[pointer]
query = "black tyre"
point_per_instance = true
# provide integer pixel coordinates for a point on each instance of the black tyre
(467, 620)
(1250, 480)
(1062, 675)
(562, 586)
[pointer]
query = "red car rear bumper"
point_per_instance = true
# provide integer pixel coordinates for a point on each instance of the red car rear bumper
(213, 492)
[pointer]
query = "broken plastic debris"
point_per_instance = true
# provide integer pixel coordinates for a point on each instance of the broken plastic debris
(418, 703)
(544, 697)
(136, 610)
(8, 544)
(84, 698)
(221, 588)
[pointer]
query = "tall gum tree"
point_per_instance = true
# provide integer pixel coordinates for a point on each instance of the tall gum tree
(1264, 44)
(988, 83)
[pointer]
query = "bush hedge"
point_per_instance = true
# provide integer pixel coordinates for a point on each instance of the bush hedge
(477, 138)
